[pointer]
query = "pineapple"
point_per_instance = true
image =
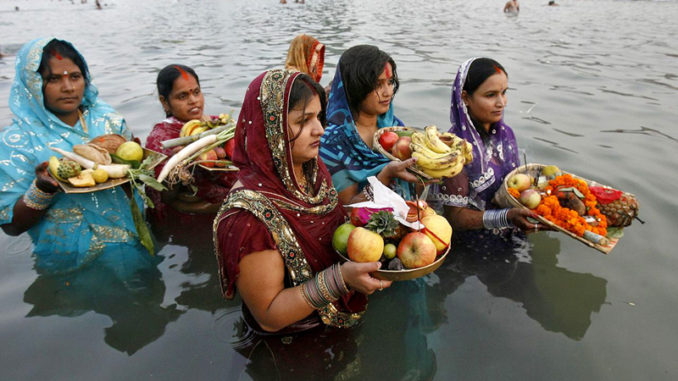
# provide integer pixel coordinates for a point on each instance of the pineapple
(621, 211)
(384, 224)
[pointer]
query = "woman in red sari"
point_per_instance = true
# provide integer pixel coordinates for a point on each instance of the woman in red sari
(273, 233)
(181, 98)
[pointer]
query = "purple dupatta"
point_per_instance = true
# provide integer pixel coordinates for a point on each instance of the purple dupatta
(493, 158)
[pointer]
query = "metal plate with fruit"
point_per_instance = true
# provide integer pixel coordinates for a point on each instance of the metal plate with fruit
(101, 164)
(406, 253)
(438, 154)
(529, 183)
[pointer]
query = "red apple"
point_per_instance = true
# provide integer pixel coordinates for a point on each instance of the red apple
(401, 149)
(229, 146)
(416, 250)
(364, 245)
(209, 155)
(388, 139)
(519, 181)
(530, 198)
(439, 230)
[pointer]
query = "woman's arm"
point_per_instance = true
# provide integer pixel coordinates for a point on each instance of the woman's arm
(470, 219)
(392, 170)
(39, 196)
(261, 286)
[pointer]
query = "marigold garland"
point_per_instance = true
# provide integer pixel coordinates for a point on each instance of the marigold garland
(514, 192)
(566, 218)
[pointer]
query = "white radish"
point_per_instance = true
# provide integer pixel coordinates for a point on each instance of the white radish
(115, 171)
(185, 153)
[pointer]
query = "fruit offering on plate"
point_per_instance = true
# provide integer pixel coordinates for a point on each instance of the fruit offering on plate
(398, 247)
(561, 199)
(439, 154)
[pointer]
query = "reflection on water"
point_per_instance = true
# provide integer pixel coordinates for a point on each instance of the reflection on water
(592, 89)
(133, 305)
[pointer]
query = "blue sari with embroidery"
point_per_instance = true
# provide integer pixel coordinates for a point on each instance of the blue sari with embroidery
(77, 229)
(345, 154)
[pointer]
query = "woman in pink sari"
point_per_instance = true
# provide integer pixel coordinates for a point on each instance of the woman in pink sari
(182, 99)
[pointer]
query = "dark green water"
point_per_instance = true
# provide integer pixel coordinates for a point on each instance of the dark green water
(593, 89)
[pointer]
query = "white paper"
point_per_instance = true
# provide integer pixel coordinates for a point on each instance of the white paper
(384, 197)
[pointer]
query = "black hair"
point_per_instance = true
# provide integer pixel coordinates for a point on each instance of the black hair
(59, 48)
(480, 70)
(303, 90)
(166, 78)
(360, 68)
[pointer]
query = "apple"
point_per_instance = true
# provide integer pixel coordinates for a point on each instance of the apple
(229, 147)
(551, 172)
(530, 198)
(340, 237)
(401, 149)
(209, 155)
(439, 230)
(416, 250)
(356, 218)
(364, 245)
(388, 139)
(519, 181)
(390, 251)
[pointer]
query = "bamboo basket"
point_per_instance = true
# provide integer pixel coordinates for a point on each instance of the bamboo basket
(376, 146)
(504, 199)
(407, 274)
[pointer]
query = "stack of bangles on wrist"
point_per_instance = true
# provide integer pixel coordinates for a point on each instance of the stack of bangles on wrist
(496, 219)
(37, 199)
(326, 287)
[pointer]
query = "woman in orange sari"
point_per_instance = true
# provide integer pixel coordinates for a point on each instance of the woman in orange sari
(307, 55)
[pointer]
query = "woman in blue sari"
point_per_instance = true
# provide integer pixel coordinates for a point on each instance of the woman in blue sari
(360, 103)
(56, 105)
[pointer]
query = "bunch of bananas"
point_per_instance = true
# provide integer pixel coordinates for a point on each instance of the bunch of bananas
(440, 155)
(197, 126)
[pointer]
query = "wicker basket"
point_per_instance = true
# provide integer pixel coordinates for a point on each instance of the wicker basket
(377, 147)
(504, 199)
(407, 274)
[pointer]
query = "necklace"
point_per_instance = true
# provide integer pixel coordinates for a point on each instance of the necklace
(303, 183)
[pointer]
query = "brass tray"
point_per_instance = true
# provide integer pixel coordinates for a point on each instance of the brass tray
(504, 199)
(376, 146)
(68, 188)
(407, 274)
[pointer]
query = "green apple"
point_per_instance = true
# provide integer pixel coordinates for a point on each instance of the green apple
(340, 237)
(551, 172)
(519, 181)
(390, 251)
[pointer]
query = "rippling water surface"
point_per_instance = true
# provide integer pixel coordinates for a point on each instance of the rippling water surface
(593, 88)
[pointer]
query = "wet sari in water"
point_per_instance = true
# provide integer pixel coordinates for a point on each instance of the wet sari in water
(77, 228)
(271, 211)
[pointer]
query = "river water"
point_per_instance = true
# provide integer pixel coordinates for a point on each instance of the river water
(593, 89)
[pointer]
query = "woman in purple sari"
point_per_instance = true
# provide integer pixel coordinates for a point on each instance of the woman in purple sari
(476, 113)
